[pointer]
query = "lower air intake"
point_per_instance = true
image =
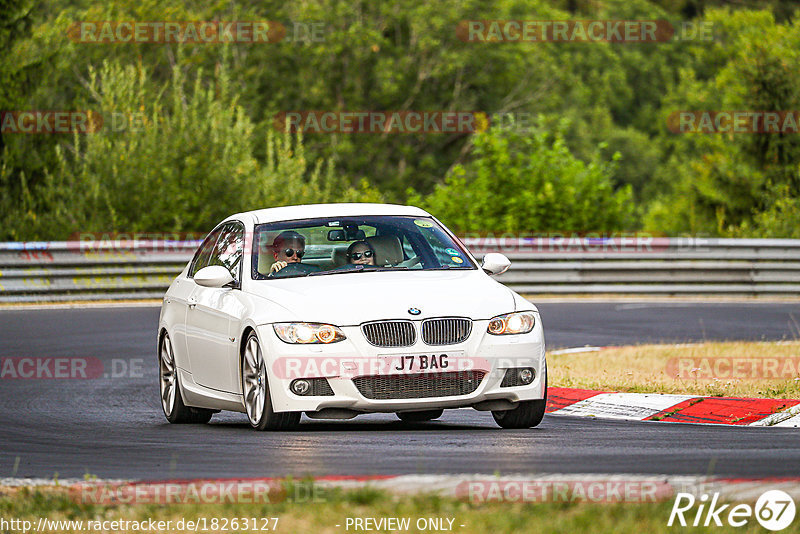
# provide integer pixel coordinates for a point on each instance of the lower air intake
(419, 386)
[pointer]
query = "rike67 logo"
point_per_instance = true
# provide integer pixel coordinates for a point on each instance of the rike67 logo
(774, 510)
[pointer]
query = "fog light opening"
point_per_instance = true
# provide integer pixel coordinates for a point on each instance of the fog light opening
(300, 387)
(526, 375)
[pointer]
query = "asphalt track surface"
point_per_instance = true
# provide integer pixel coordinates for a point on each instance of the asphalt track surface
(113, 427)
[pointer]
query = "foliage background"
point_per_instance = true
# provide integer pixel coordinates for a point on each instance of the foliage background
(595, 155)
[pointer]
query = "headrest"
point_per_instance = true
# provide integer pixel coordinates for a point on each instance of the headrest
(265, 257)
(387, 249)
(339, 256)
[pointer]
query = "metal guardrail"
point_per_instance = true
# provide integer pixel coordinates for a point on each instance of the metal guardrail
(74, 270)
(60, 271)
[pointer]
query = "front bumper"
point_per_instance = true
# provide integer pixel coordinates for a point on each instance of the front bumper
(340, 362)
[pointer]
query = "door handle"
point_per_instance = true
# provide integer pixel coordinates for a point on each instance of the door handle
(192, 303)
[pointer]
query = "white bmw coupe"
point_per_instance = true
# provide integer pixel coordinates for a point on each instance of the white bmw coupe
(337, 310)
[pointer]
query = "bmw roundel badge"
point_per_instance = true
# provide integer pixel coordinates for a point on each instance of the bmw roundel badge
(414, 311)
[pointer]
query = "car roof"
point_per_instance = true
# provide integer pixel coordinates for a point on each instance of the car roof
(308, 211)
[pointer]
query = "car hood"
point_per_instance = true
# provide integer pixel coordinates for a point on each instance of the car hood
(353, 298)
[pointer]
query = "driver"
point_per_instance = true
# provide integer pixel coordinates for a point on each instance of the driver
(288, 247)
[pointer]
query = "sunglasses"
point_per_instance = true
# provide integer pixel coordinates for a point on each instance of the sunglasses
(357, 255)
(289, 252)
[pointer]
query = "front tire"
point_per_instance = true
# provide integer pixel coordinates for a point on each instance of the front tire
(527, 414)
(172, 404)
(255, 390)
(418, 417)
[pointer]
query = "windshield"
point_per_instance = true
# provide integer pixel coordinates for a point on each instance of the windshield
(337, 245)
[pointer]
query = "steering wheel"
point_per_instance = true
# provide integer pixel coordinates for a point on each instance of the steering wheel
(348, 267)
(294, 269)
(410, 262)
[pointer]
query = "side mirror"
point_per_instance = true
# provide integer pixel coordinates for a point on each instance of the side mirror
(495, 263)
(213, 276)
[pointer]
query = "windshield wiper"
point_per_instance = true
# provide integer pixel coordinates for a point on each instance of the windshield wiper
(375, 268)
(322, 273)
(359, 269)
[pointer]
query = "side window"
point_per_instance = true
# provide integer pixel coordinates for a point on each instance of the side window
(229, 249)
(204, 252)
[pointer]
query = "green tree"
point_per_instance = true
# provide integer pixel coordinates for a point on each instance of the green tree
(718, 183)
(529, 182)
(175, 157)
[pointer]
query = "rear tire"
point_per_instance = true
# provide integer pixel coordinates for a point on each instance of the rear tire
(172, 404)
(527, 414)
(255, 391)
(418, 417)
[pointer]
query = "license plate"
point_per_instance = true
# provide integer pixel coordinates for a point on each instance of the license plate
(421, 363)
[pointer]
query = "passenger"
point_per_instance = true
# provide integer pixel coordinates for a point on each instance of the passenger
(288, 247)
(360, 253)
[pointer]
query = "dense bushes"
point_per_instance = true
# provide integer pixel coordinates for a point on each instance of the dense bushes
(521, 182)
(207, 145)
(171, 157)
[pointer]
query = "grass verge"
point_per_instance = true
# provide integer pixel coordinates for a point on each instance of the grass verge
(735, 369)
(333, 507)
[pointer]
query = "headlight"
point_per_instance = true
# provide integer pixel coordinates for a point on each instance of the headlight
(305, 333)
(512, 323)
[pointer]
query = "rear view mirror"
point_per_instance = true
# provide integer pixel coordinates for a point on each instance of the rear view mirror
(349, 233)
(336, 235)
(495, 263)
(213, 276)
